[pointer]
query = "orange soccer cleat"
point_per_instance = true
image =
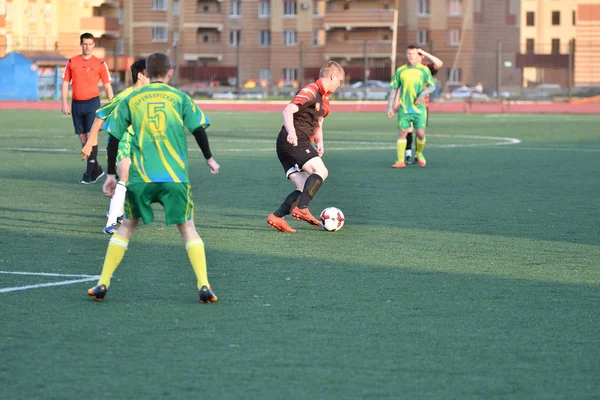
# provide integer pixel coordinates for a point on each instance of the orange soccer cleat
(399, 164)
(279, 223)
(305, 215)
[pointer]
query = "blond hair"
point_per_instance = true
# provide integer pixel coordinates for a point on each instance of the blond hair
(329, 67)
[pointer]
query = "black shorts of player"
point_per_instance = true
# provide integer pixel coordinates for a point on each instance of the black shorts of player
(292, 158)
(83, 113)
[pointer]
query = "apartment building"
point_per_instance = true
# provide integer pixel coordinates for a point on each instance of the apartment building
(587, 44)
(55, 26)
(276, 40)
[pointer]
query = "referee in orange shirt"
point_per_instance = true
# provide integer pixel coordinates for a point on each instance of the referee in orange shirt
(84, 72)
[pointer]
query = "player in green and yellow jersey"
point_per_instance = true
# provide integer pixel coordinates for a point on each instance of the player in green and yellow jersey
(105, 117)
(415, 82)
(159, 116)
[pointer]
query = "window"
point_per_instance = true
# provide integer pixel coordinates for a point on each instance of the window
(176, 8)
(453, 74)
(289, 38)
(31, 43)
(289, 8)
(159, 5)
(422, 7)
(8, 13)
(555, 46)
(317, 8)
(290, 74)
(264, 8)
(574, 18)
(530, 46)
(478, 6)
(47, 12)
(235, 38)
(317, 38)
(48, 43)
(121, 16)
(175, 38)
(264, 38)
(454, 37)
(555, 17)
(159, 33)
(121, 46)
(530, 16)
(31, 12)
(236, 9)
(265, 75)
(422, 37)
(454, 7)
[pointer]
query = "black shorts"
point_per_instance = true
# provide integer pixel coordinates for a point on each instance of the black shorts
(83, 113)
(292, 158)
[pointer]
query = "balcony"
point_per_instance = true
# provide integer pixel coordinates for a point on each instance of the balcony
(99, 3)
(202, 50)
(2, 21)
(205, 20)
(101, 26)
(349, 19)
(356, 49)
(542, 60)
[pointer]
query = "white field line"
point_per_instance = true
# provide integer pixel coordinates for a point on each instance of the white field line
(83, 278)
(364, 145)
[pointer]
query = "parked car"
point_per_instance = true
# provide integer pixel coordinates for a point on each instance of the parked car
(466, 93)
(375, 90)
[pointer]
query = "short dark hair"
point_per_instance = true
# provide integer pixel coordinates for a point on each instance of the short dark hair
(137, 67)
(86, 35)
(410, 47)
(157, 65)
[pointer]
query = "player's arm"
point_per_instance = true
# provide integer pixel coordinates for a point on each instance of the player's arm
(288, 122)
(202, 140)
(437, 63)
(92, 138)
(66, 109)
(196, 122)
(394, 97)
(319, 138)
(428, 90)
(109, 91)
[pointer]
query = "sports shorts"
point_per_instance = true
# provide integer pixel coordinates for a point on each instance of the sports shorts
(83, 113)
(419, 121)
(292, 158)
(175, 197)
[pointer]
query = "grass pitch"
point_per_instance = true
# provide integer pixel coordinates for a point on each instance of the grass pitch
(475, 277)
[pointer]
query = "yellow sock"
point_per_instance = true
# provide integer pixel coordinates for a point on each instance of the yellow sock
(195, 250)
(420, 146)
(114, 254)
(401, 146)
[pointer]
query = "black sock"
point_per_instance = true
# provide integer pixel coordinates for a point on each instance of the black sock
(311, 187)
(286, 207)
(94, 156)
(409, 141)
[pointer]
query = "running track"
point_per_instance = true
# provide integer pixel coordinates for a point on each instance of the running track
(274, 106)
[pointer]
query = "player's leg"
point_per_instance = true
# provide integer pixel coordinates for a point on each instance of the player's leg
(78, 125)
(285, 153)
(117, 201)
(197, 255)
(117, 246)
(403, 129)
(409, 143)
(420, 121)
(317, 173)
(89, 116)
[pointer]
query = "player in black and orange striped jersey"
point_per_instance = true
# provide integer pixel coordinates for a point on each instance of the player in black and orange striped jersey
(84, 71)
(434, 66)
(302, 163)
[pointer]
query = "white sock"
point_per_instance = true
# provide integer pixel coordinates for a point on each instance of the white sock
(116, 203)
(408, 153)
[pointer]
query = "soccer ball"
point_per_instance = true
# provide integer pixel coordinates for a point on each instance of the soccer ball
(332, 219)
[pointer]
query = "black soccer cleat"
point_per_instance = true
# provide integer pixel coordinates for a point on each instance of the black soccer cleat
(86, 179)
(97, 292)
(97, 173)
(206, 295)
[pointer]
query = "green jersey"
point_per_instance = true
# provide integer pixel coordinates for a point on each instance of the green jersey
(411, 81)
(158, 114)
(109, 111)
